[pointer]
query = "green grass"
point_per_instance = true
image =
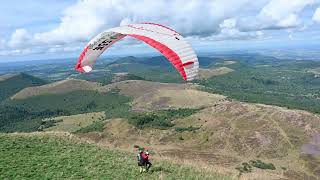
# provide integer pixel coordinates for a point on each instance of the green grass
(262, 165)
(48, 157)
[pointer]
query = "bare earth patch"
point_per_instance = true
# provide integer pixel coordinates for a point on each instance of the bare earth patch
(208, 73)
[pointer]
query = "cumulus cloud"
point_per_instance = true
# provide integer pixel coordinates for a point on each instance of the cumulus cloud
(86, 18)
(215, 20)
(316, 15)
(229, 31)
(19, 38)
(277, 14)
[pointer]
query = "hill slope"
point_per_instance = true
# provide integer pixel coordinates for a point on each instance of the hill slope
(38, 156)
(224, 133)
(228, 134)
(58, 87)
(9, 85)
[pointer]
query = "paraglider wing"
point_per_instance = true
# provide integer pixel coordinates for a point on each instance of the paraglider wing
(167, 41)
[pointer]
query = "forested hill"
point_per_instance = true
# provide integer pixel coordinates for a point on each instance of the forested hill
(11, 85)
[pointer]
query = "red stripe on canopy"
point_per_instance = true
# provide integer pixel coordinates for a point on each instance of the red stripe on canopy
(188, 63)
(167, 52)
(161, 26)
(78, 65)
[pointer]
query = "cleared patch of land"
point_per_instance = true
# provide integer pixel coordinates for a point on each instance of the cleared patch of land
(225, 63)
(75, 122)
(179, 98)
(154, 95)
(315, 71)
(6, 76)
(59, 87)
(137, 88)
(208, 73)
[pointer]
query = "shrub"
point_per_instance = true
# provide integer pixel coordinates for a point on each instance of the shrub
(190, 128)
(160, 119)
(97, 126)
(262, 165)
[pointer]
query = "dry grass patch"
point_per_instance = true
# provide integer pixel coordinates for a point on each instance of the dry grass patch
(176, 98)
(75, 122)
(225, 63)
(59, 87)
(208, 73)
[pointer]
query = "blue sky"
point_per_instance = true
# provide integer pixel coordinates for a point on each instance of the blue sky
(34, 29)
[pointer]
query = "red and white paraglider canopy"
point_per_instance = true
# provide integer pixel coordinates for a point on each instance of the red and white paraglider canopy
(166, 40)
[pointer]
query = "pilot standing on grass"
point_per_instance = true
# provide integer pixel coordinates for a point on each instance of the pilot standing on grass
(143, 160)
(141, 157)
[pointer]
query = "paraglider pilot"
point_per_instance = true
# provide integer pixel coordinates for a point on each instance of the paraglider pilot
(143, 160)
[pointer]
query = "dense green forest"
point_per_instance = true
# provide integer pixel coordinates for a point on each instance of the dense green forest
(283, 83)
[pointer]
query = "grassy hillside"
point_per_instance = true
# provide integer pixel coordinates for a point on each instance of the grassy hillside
(48, 157)
(73, 123)
(227, 135)
(12, 85)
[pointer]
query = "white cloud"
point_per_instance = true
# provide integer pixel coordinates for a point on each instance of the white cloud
(218, 20)
(290, 21)
(229, 31)
(87, 17)
(277, 14)
(316, 15)
(19, 38)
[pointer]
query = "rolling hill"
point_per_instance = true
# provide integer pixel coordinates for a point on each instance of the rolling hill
(11, 84)
(233, 132)
(224, 133)
(59, 87)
